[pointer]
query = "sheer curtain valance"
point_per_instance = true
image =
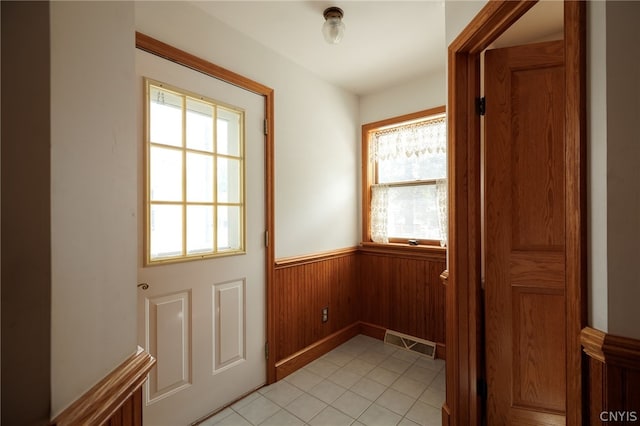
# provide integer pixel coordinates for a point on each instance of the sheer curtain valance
(420, 145)
(411, 140)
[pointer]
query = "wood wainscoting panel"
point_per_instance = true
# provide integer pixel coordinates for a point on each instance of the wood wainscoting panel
(303, 287)
(130, 414)
(367, 290)
(403, 292)
(312, 352)
(613, 393)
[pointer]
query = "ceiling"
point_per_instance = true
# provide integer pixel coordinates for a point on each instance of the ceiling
(386, 43)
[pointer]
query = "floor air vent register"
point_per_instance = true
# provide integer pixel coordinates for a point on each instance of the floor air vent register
(410, 343)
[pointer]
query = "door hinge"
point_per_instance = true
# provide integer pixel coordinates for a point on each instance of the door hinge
(266, 351)
(266, 126)
(481, 105)
(266, 238)
(481, 388)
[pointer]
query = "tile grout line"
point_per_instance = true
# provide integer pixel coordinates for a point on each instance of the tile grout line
(360, 349)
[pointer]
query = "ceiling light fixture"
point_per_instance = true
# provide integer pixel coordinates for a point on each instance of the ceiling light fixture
(333, 27)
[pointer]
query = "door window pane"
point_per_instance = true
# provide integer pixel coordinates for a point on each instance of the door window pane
(199, 177)
(165, 117)
(229, 180)
(199, 125)
(165, 174)
(229, 125)
(229, 227)
(166, 230)
(199, 229)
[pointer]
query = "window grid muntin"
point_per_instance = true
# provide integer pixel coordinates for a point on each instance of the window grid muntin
(184, 203)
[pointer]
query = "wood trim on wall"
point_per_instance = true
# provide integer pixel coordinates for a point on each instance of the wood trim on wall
(575, 42)
(315, 351)
(613, 375)
(288, 262)
(188, 60)
(321, 347)
(463, 305)
(372, 330)
(116, 397)
(611, 349)
(173, 54)
(406, 251)
(303, 286)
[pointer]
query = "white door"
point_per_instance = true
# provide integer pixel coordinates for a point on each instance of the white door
(205, 320)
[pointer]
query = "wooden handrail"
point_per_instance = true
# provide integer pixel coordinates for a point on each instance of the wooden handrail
(103, 400)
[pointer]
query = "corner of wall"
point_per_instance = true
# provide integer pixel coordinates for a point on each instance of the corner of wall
(623, 174)
(93, 194)
(597, 165)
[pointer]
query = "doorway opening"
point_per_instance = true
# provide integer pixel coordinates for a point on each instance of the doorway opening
(464, 307)
(222, 339)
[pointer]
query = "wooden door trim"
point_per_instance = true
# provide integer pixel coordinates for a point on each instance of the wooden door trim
(463, 300)
(170, 53)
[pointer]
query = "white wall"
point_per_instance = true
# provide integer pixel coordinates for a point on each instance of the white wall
(623, 171)
(614, 176)
(425, 92)
(458, 14)
(316, 128)
(597, 167)
(93, 192)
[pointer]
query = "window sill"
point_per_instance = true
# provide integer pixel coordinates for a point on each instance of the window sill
(405, 250)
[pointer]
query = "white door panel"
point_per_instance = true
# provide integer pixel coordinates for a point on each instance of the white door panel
(168, 336)
(205, 320)
(228, 324)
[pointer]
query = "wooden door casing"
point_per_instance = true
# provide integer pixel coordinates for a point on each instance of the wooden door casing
(464, 348)
(525, 284)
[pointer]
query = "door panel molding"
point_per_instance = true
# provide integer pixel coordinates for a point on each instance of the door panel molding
(463, 301)
(166, 51)
(168, 327)
(533, 355)
(525, 320)
(229, 314)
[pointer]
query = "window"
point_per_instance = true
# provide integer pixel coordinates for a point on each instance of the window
(404, 179)
(194, 176)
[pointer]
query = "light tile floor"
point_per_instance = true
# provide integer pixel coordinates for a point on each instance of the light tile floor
(363, 382)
